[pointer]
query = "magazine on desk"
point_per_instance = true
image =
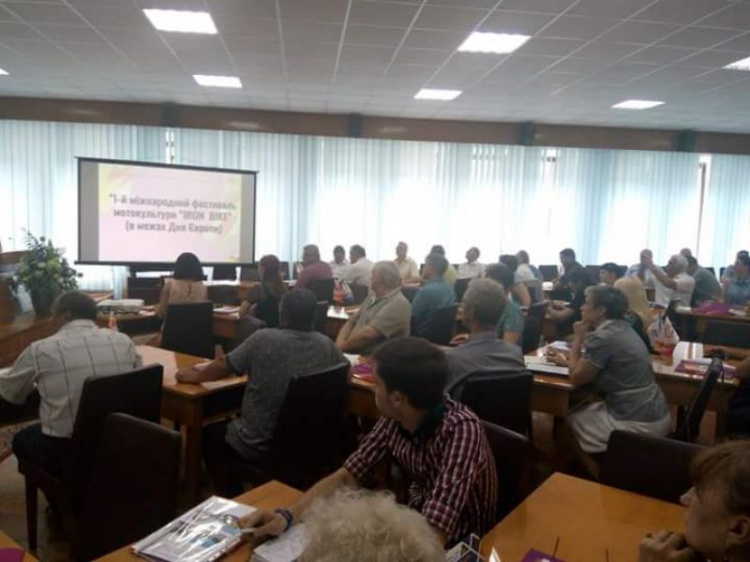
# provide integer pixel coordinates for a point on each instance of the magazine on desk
(203, 534)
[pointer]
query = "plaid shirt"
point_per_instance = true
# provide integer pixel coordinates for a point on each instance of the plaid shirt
(59, 365)
(448, 463)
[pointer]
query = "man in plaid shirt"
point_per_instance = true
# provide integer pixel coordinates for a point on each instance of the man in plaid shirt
(439, 445)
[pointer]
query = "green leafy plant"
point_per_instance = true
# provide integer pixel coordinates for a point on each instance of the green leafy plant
(44, 272)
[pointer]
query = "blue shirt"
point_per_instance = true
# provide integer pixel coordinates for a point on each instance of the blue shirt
(434, 294)
(511, 319)
(738, 291)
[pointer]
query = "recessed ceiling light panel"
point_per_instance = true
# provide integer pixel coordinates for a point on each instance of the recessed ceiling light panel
(440, 95)
(3, 72)
(637, 104)
(218, 81)
(743, 64)
(181, 21)
(497, 43)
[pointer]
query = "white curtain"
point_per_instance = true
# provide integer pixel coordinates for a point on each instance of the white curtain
(38, 181)
(605, 204)
(725, 228)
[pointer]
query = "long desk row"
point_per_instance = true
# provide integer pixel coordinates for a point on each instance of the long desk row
(587, 522)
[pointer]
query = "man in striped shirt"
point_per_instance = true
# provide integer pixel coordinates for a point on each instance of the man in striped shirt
(439, 445)
(57, 366)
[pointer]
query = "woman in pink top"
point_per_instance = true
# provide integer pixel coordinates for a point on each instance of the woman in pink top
(186, 285)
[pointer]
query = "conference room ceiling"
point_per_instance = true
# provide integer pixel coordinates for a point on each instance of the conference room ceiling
(373, 56)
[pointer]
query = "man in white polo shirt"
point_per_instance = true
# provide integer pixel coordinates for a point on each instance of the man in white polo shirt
(674, 283)
(58, 366)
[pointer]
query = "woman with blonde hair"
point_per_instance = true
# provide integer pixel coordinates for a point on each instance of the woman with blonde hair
(639, 313)
(360, 526)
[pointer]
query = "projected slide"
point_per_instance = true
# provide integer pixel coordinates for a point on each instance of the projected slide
(134, 213)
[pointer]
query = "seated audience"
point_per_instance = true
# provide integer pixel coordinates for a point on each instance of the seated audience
(273, 356)
(339, 265)
(450, 274)
(565, 316)
(609, 273)
(617, 364)
(57, 367)
(639, 314)
(717, 520)
(263, 298)
(527, 271)
(360, 268)
(519, 290)
(407, 267)
(568, 265)
(433, 295)
(686, 253)
(186, 284)
(707, 287)
(483, 304)
(359, 526)
(641, 271)
(737, 291)
(312, 267)
(384, 314)
(439, 444)
(511, 323)
(728, 275)
(673, 283)
(472, 269)
(738, 418)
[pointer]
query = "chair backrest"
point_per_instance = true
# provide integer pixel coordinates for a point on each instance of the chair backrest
(295, 269)
(549, 272)
(321, 316)
(440, 329)
(284, 270)
(223, 294)
(137, 393)
(532, 333)
(323, 289)
(250, 272)
(689, 421)
(512, 453)
(308, 441)
(224, 273)
(460, 288)
(732, 334)
(188, 328)
(656, 467)
(136, 474)
(721, 272)
(538, 310)
(501, 397)
(359, 292)
(711, 269)
(593, 271)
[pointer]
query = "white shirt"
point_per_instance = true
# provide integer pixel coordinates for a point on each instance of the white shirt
(339, 269)
(649, 278)
(683, 293)
(359, 272)
(58, 366)
(470, 270)
(525, 273)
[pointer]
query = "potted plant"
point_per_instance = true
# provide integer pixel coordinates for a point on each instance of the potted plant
(44, 272)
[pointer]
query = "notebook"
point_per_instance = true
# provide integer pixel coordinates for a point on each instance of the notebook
(203, 534)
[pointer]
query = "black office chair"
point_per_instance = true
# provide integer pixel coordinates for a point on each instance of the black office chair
(225, 273)
(460, 288)
(359, 292)
(323, 289)
(223, 294)
(321, 316)
(538, 310)
(651, 466)
(137, 470)
(308, 441)
(188, 328)
(731, 334)
(721, 272)
(501, 397)
(549, 272)
(295, 269)
(284, 270)
(711, 269)
(593, 271)
(512, 454)
(689, 420)
(440, 328)
(137, 393)
(532, 334)
(250, 272)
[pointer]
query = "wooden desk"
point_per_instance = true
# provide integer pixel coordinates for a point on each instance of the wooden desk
(7, 542)
(694, 323)
(588, 518)
(266, 497)
(193, 405)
